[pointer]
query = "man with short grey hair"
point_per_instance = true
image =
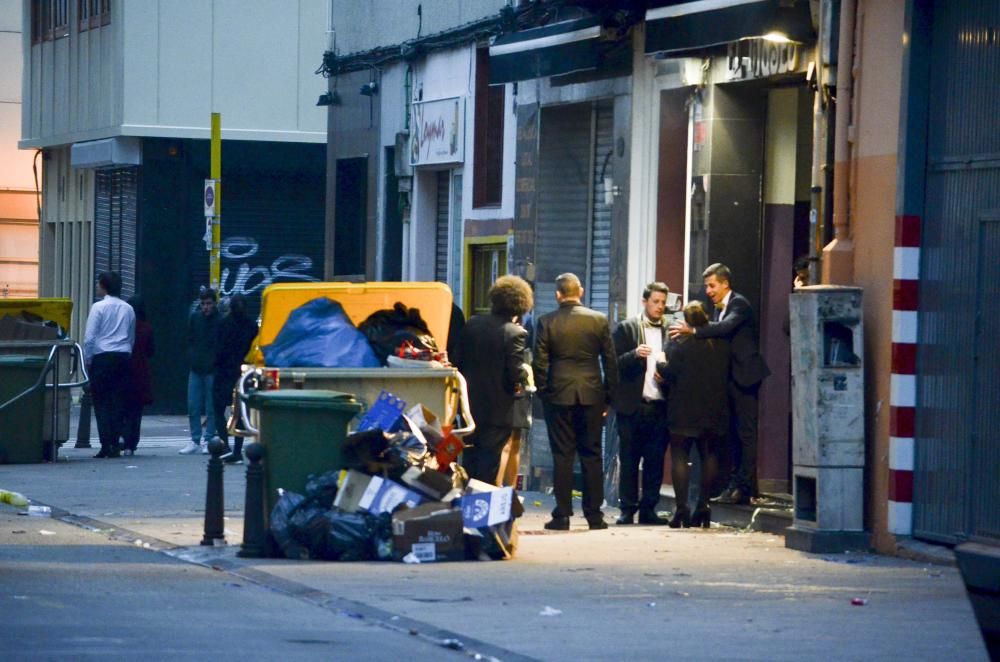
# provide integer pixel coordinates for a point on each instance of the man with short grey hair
(576, 373)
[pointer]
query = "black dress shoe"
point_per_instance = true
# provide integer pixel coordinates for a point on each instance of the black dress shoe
(102, 453)
(558, 524)
(652, 519)
(597, 524)
(114, 452)
(625, 518)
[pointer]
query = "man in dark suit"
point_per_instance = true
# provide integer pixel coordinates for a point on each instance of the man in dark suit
(490, 353)
(641, 409)
(576, 372)
(734, 321)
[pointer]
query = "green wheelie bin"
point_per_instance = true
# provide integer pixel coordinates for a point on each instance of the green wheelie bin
(303, 433)
(21, 421)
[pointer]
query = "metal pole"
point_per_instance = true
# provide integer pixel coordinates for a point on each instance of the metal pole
(214, 505)
(83, 425)
(216, 167)
(254, 522)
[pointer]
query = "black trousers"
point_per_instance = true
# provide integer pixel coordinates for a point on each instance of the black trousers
(132, 425)
(643, 436)
(743, 400)
(482, 459)
(576, 429)
(110, 381)
(222, 397)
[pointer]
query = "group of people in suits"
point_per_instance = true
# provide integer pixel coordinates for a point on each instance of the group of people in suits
(679, 385)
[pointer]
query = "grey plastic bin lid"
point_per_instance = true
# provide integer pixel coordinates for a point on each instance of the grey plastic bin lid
(304, 399)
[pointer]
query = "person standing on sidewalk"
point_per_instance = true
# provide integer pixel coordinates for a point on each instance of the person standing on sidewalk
(734, 321)
(107, 346)
(697, 372)
(575, 372)
(490, 354)
(236, 334)
(141, 393)
(641, 408)
(203, 328)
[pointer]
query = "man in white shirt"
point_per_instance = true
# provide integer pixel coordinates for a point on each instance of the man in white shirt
(640, 407)
(107, 349)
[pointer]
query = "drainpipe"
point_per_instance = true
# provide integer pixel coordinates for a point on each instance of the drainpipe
(838, 255)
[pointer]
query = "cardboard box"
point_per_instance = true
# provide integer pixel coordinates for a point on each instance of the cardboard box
(359, 491)
(383, 496)
(428, 481)
(432, 532)
(486, 508)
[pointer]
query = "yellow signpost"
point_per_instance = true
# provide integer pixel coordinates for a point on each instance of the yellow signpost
(216, 174)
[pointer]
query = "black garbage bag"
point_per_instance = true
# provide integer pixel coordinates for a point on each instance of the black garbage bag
(349, 537)
(388, 329)
(321, 489)
(280, 525)
(381, 534)
(308, 528)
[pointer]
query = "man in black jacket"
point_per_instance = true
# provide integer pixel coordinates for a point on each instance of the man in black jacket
(490, 353)
(734, 321)
(641, 408)
(576, 372)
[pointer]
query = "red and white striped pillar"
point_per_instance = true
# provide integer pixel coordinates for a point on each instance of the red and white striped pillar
(903, 381)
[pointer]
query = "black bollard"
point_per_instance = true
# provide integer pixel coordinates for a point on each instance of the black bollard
(214, 503)
(83, 426)
(254, 531)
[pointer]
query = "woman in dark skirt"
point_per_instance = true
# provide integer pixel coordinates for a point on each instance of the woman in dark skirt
(697, 374)
(141, 393)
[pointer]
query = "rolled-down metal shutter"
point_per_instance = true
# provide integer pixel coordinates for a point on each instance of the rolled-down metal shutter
(115, 224)
(599, 281)
(564, 182)
(272, 231)
(574, 223)
(441, 227)
(955, 487)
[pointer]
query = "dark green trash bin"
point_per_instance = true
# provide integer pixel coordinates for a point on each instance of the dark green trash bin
(21, 422)
(303, 433)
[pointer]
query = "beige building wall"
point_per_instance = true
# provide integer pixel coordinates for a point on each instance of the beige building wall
(18, 203)
(875, 133)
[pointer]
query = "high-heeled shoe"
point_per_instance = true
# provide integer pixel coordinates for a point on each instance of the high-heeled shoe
(702, 516)
(681, 518)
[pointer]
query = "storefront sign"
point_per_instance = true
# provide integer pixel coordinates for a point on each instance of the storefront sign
(759, 58)
(438, 132)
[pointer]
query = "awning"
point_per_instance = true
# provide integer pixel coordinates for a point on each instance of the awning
(698, 24)
(550, 50)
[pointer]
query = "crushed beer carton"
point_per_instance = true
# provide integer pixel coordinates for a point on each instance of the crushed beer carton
(431, 532)
(374, 494)
(485, 505)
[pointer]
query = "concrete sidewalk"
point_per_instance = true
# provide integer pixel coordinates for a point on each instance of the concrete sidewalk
(641, 592)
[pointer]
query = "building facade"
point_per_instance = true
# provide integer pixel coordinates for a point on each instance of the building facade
(118, 97)
(18, 184)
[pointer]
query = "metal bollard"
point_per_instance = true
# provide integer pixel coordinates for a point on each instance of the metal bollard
(214, 503)
(254, 533)
(83, 426)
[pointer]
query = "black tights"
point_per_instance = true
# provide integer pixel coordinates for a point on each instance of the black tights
(680, 451)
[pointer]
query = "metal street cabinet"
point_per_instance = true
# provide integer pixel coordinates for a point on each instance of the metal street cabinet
(828, 419)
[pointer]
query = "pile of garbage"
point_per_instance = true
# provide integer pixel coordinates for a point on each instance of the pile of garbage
(401, 497)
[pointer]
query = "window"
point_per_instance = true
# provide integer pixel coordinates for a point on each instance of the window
(49, 20)
(92, 14)
(487, 182)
